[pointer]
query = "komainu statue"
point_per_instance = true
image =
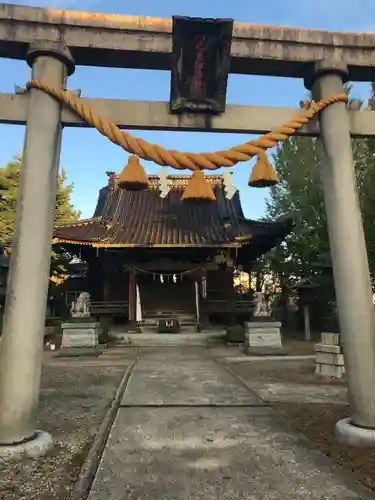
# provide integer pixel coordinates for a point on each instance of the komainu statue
(263, 307)
(81, 307)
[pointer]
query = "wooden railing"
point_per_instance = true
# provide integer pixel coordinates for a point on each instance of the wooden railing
(222, 305)
(244, 304)
(121, 308)
(109, 307)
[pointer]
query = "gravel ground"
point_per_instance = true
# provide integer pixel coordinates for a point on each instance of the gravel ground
(293, 347)
(74, 401)
(300, 371)
(317, 422)
(296, 347)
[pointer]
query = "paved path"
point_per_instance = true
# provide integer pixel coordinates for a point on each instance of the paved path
(189, 430)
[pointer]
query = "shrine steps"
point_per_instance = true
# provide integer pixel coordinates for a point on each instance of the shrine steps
(145, 339)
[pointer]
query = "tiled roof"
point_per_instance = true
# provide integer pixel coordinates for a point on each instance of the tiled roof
(84, 231)
(143, 218)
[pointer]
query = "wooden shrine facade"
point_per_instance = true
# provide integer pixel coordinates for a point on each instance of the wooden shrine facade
(174, 258)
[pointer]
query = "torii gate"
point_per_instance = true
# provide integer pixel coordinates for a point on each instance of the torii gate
(52, 42)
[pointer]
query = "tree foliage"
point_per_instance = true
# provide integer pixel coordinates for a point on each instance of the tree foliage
(305, 254)
(9, 185)
(300, 195)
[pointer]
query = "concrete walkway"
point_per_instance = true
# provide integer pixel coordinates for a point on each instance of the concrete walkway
(187, 429)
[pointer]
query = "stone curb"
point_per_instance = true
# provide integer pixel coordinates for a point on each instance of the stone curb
(91, 464)
(240, 359)
(240, 379)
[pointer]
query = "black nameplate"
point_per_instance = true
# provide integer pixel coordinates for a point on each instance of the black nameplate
(200, 64)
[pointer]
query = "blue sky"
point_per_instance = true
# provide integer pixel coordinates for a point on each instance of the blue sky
(86, 155)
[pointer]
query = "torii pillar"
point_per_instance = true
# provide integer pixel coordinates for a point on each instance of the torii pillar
(21, 348)
(349, 255)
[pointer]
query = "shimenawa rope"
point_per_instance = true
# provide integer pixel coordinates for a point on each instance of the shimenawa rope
(184, 160)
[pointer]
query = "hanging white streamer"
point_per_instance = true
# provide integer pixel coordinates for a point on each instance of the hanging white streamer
(163, 183)
(229, 189)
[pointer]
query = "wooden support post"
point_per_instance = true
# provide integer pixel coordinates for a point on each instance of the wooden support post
(197, 304)
(132, 300)
(204, 318)
(306, 321)
(232, 297)
(106, 286)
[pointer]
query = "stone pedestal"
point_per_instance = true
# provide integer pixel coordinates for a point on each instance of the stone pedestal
(263, 338)
(80, 338)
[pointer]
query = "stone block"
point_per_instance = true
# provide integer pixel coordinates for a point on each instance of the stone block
(329, 371)
(334, 349)
(329, 358)
(263, 338)
(235, 334)
(80, 334)
(330, 339)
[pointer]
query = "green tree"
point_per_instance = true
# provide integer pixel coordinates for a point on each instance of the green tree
(365, 170)
(9, 184)
(300, 194)
(305, 254)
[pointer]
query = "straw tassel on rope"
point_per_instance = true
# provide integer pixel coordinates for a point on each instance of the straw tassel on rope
(134, 176)
(198, 188)
(263, 173)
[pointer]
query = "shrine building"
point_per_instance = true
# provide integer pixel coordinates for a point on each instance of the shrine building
(151, 256)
